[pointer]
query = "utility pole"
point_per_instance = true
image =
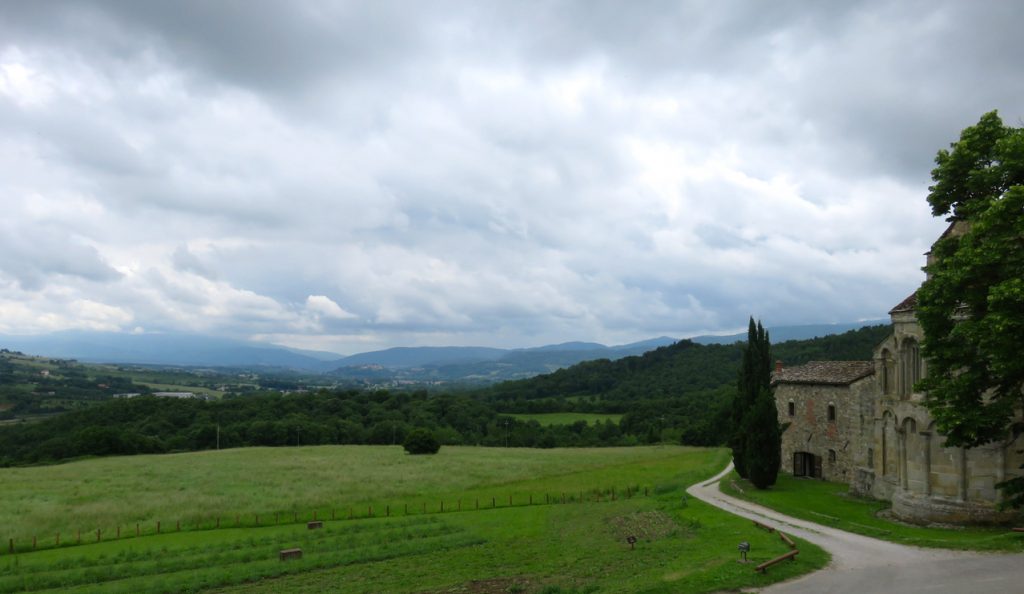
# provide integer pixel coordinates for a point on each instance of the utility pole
(218, 437)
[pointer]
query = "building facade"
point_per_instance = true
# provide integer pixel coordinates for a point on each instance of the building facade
(861, 422)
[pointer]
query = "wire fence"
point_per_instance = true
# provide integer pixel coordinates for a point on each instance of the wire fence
(352, 512)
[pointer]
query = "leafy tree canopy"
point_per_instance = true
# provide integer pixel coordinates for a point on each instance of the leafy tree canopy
(972, 305)
(421, 441)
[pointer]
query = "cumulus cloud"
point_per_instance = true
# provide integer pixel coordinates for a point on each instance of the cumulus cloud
(322, 305)
(362, 175)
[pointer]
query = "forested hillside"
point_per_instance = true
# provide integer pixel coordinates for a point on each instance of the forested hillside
(677, 393)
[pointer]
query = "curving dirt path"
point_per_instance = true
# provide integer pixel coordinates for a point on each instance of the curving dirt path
(865, 565)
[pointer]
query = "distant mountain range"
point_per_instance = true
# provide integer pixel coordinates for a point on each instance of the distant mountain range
(784, 333)
(413, 364)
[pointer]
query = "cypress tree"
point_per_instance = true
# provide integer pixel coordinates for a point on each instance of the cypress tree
(755, 376)
(763, 457)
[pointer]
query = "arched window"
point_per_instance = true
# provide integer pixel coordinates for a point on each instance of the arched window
(831, 413)
(832, 456)
(792, 408)
(910, 364)
(888, 372)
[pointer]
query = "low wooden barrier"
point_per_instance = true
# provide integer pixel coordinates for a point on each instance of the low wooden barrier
(287, 554)
(763, 526)
(1018, 529)
(763, 568)
(315, 525)
(787, 540)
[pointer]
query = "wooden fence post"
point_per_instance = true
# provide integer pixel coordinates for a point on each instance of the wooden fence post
(442, 506)
(97, 535)
(406, 509)
(218, 521)
(177, 526)
(387, 511)
(158, 527)
(119, 531)
(370, 511)
(78, 536)
(257, 519)
(492, 502)
(58, 539)
(136, 528)
(314, 515)
(10, 545)
(33, 543)
(332, 513)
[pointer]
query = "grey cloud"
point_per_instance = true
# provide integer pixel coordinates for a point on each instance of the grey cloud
(500, 172)
(35, 256)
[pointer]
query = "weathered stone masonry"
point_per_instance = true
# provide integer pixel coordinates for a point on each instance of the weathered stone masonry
(881, 439)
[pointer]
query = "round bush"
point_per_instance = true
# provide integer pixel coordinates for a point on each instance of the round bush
(421, 441)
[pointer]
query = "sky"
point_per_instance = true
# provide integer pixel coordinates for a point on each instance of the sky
(350, 176)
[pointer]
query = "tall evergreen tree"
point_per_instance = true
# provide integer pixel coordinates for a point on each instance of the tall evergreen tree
(763, 456)
(755, 376)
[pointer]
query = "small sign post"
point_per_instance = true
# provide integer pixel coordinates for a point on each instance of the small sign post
(744, 548)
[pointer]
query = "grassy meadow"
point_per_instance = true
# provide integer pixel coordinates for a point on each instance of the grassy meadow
(535, 544)
(831, 504)
(567, 418)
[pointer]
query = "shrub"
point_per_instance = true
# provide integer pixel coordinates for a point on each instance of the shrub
(421, 441)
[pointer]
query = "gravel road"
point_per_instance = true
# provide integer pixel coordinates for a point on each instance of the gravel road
(864, 565)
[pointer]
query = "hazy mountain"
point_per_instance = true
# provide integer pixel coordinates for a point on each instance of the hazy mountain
(784, 333)
(478, 364)
(400, 357)
(161, 349)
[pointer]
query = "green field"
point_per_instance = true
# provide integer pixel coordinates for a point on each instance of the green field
(567, 418)
(831, 504)
(478, 543)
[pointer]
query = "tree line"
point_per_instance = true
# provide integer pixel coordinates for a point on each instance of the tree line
(681, 393)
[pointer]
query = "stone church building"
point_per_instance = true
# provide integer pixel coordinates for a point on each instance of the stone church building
(861, 422)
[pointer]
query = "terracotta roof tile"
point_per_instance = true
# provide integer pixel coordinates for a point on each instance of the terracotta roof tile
(837, 373)
(908, 304)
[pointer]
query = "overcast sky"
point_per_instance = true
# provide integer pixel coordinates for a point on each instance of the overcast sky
(353, 176)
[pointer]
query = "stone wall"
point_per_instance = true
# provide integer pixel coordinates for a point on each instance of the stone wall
(841, 443)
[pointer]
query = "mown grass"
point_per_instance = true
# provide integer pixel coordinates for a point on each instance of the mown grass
(546, 419)
(831, 504)
(684, 546)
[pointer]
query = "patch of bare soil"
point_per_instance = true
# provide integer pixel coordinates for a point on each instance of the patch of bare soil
(648, 525)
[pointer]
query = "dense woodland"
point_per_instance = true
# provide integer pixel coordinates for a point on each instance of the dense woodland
(679, 393)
